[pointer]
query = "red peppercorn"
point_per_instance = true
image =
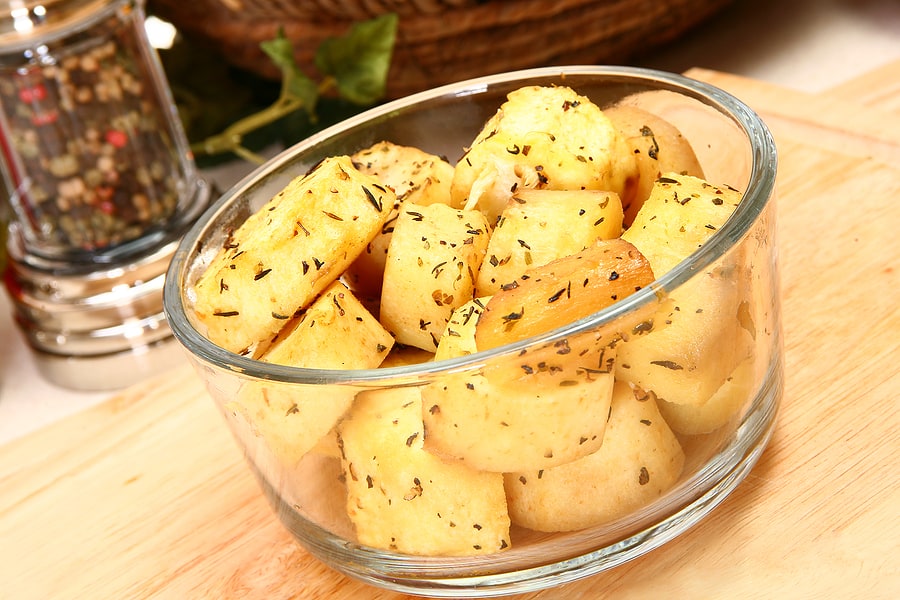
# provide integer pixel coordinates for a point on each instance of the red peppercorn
(44, 118)
(31, 94)
(104, 193)
(107, 207)
(116, 138)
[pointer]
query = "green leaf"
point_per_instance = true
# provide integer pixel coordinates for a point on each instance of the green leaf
(359, 61)
(294, 80)
(280, 51)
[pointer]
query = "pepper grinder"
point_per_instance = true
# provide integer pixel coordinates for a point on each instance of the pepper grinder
(100, 183)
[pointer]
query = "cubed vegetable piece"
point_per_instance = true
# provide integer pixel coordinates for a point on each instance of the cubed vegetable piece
(565, 290)
(432, 262)
(335, 332)
(698, 338)
(415, 176)
(544, 138)
(402, 498)
(287, 252)
(458, 338)
(640, 460)
(658, 148)
(538, 226)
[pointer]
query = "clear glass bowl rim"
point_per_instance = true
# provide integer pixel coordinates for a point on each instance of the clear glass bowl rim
(759, 191)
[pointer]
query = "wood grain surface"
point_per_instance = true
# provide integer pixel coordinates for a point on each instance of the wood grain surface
(147, 496)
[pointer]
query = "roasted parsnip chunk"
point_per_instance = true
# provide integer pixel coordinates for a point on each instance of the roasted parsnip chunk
(458, 338)
(723, 406)
(538, 226)
(403, 498)
(563, 291)
(699, 339)
(658, 148)
(415, 176)
(549, 409)
(545, 138)
(287, 252)
(640, 459)
(432, 262)
(335, 332)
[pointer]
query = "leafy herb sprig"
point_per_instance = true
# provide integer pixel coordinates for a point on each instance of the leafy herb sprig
(353, 66)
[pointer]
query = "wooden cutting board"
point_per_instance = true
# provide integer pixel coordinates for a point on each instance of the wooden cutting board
(147, 496)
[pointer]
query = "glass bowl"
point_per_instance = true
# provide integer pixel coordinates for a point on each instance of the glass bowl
(308, 492)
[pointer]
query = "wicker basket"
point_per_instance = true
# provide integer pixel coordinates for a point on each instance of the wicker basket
(440, 41)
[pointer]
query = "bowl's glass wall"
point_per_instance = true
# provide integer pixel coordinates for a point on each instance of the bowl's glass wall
(734, 148)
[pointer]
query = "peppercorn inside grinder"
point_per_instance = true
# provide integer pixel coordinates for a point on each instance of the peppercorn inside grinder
(101, 185)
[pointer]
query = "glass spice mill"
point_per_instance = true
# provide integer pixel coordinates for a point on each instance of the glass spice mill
(100, 185)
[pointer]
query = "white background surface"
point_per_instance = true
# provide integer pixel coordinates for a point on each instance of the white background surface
(809, 45)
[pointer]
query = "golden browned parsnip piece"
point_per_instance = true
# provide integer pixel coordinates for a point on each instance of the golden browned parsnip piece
(544, 138)
(287, 252)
